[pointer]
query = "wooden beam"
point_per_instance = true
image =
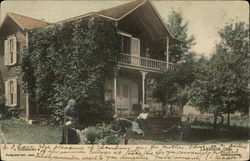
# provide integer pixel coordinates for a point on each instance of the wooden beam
(154, 19)
(148, 21)
(144, 23)
(138, 21)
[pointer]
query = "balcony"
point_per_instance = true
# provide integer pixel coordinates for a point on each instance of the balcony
(146, 63)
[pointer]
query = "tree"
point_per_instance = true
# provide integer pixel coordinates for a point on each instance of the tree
(179, 29)
(220, 85)
(170, 90)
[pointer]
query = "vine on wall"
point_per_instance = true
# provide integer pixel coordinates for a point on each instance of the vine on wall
(71, 60)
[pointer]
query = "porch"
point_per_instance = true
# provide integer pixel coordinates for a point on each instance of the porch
(128, 60)
(131, 91)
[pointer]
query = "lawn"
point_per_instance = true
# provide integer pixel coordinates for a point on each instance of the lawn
(18, 131)
(203, 135)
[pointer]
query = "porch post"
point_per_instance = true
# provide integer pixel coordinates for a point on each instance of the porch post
(167, 51)
(143, 86)
(115, 87)
(27, 107)
(27, 95)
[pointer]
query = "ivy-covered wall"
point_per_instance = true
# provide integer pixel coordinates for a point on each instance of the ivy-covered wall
(71, 60)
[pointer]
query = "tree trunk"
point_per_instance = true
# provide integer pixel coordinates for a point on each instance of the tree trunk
(215, 121)
(216, 126)
(171, 109)
(228, 119)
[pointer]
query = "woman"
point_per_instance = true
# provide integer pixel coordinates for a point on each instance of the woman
(69, 135)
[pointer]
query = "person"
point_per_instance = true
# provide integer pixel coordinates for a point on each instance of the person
(122, 127)
(136, 128)
(70, 135)
(143, 115)
(142, 120)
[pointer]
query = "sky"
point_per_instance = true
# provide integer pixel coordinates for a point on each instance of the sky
(205, 18)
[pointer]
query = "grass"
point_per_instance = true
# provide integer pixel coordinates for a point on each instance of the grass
(202, 135)
(18, 131)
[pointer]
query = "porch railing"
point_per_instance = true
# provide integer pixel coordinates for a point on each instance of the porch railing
(147, 63)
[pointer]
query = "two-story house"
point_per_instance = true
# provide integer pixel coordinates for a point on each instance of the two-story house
(140, 26)
(14, 38)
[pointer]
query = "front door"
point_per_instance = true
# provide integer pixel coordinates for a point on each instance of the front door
(134, 93)
(123, 97)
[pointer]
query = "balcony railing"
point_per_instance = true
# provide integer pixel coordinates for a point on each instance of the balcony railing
(127, 59)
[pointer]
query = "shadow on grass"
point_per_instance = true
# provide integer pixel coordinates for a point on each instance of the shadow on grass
(230, 134)
(199, 135)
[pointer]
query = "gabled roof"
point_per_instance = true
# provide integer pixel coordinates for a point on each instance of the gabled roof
(121, 11)
(115, 13)
(27, 23)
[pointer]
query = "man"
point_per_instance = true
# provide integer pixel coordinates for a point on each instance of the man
(123, 127)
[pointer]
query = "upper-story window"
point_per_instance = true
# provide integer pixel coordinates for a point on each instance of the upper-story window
(10, 51)
(135, 46)
(130, 45)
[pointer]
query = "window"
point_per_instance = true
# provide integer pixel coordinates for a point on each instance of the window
(125, 44)
(135, 46)
(10, 53)
(130, 45)
(11, 92)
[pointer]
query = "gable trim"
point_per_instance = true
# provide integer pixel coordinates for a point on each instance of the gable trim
(161, 19)
(139, 5)
(15, 21)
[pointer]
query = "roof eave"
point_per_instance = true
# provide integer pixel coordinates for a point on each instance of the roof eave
(168, 31)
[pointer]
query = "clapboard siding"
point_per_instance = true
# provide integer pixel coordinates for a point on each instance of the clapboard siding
(8, 72)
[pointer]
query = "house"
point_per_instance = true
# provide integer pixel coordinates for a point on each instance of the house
(140, 26)
(14, 38)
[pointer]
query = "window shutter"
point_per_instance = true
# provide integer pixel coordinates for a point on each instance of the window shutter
(14, 50)
(6, 93)
(6, 52)
(15, 92)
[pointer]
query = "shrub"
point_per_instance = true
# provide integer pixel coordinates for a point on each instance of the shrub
(105, 135)
(9, 112)
(101, 134)
(91, 135)
(2, 102)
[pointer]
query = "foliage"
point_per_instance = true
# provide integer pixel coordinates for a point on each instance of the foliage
(91, 135)
(221, 82)
(10, 112)
(101, 134)
(71, 60)
(179, 30)
(2, 100)
(105, 135)
(2, 103)
(171, 89)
